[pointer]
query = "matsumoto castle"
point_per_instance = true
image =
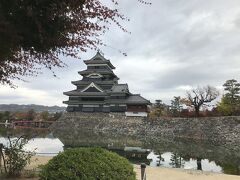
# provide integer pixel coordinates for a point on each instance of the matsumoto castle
(99, 91)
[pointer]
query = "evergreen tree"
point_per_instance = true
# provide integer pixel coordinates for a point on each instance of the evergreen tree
(233, 91)
(230, 101)
(160, 109)
(176, 106)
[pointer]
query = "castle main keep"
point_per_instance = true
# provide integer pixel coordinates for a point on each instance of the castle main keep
(99, 91)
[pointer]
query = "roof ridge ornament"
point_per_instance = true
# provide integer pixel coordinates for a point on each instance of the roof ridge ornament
(99, 52)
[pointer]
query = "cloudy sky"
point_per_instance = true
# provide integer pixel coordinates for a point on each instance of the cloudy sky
(173, 45)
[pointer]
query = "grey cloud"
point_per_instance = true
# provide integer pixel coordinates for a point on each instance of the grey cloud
(172, 43)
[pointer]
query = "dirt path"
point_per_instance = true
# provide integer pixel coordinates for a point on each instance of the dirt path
(159, 173)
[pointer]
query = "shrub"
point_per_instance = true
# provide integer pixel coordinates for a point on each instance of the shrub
(88, 164)
(15, 158)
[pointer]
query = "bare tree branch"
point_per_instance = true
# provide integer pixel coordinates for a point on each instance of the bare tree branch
(200, 96)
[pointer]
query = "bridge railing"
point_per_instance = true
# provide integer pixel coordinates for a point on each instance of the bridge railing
(32, 124)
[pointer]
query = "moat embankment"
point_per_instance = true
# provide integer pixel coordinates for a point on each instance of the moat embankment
(219, 130)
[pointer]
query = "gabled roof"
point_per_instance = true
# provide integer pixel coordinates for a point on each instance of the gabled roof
(92, 85)
(136, 98)
(99, 59)
(132, 99)
(120, 88)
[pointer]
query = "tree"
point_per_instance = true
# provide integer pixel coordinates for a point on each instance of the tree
(159, 109)
(176, 106)
(14, 157)
(1, 117)
(34, 33)
(6, 115)
(225, 108)
(31, 115)
(44, 115)
(199, 97)
(57, 115)
(158, 103)
(230, 101)
(176, 160)
(199, 163)
(233, 91)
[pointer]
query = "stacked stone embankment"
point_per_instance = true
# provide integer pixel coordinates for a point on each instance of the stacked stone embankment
(224, 130)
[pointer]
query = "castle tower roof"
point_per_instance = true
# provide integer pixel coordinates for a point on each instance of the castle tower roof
(99, 59)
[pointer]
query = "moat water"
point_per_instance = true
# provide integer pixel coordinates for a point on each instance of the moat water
(171, 153)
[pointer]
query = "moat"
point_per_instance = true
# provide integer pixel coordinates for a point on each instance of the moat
(162, 152)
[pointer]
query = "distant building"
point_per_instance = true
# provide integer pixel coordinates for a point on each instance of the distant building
(99, 91)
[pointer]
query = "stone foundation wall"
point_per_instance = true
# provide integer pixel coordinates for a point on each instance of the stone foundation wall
(222, 130)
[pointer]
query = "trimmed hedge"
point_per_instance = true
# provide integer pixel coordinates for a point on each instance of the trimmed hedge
(88, 164)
